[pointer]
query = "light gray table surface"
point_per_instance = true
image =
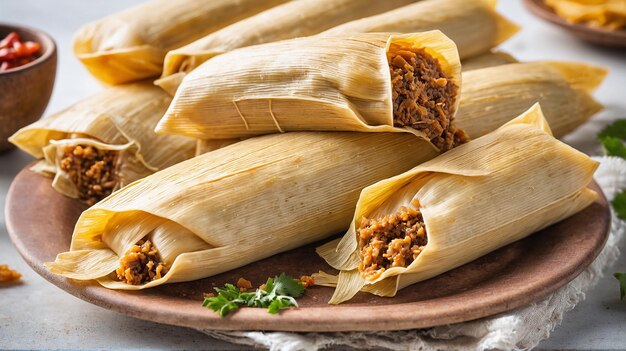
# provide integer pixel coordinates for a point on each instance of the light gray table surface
(38, 315)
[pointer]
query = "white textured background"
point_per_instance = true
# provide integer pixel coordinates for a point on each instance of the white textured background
(37, 315)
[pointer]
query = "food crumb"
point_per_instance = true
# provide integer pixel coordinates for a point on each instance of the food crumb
(243, 284)
(307, 281)
(208, 295)
(7, 274)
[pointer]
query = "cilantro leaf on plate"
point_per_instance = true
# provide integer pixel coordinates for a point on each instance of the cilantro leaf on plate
(277, 293)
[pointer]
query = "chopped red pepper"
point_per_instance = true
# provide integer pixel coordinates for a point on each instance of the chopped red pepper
(14, 52)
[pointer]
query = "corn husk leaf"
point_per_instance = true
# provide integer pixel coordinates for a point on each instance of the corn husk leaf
(238, 204)
(290, 20)
(313, 83)
(474, 199)
(120, 118)
(131, 45)
(473, 25)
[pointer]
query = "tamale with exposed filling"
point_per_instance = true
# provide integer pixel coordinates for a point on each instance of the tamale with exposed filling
(365, 82)
(444, 213)
(104, 142)
(130, 45)
(473, 25)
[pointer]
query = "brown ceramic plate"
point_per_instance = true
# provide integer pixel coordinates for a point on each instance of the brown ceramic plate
(40, 223)
(614, 38)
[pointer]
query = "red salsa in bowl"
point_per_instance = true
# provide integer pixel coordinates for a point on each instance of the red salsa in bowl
(14, 52)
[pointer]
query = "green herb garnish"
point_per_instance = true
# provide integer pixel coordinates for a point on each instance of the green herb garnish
(278, 293)
(622, 284)
(613, 146)
(619, 205)
(617, 129)
(612, 138)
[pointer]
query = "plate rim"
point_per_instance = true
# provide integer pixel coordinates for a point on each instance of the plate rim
(396, 318)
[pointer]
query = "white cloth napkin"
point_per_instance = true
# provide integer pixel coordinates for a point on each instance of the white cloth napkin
(519, 329)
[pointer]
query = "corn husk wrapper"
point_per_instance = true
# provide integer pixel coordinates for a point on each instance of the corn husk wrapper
(314, 83)
(474, 199)
(474, 25)
(130, 45)
(238, 204)
(490, 59)
(491, 95)
(486, 28)
(120, 118)
(290, 20)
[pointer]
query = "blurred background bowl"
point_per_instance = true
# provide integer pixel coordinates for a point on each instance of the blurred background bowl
(600, 36)
(25, 90)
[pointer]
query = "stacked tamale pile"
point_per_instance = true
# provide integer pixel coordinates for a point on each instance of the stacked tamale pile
(394, 121)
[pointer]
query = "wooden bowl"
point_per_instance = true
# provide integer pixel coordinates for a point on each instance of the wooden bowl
(26, 89)
(594, 35)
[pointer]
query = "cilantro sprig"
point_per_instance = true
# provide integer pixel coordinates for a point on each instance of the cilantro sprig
(612, 138)
(278, 293)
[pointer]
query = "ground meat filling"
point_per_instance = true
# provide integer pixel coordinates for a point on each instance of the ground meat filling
(423, 97)
(92, 171)
(390, 241)
(141, 264)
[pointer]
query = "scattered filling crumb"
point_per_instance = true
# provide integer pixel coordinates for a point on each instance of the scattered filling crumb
(243, 284)
(92, 171)
(307, 281)
(390, 241)
(141, 264)
(7, 274)
(423, 97)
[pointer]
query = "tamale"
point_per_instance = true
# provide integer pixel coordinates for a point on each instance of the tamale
(489, 95)
(490, 59)
(484, 27)
(444, 213)
(232, 206)
(131, 45)
(473, 25)
(104, 142)
(363, 82)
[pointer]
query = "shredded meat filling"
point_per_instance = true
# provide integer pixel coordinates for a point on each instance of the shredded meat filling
(390, 241)
(423, 97)
(141, 264)
(92, 171)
